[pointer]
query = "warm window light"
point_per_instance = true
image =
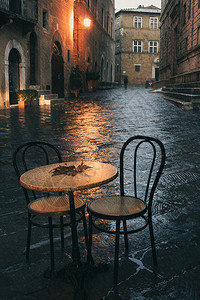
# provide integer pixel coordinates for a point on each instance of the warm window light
(87, 22)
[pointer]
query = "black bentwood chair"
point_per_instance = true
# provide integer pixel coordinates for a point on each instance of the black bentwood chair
(54, 209)
(147, 156)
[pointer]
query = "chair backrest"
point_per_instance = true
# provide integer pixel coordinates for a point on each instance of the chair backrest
(142, 160)
(31, 155)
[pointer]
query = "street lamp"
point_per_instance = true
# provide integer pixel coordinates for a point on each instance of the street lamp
(87, 22)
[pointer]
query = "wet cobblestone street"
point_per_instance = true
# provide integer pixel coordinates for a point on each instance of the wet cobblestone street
(94, 126)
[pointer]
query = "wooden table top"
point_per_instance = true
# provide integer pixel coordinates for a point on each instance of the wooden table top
(84, 175)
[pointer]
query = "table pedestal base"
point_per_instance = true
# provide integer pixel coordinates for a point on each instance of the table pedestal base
(78, 274)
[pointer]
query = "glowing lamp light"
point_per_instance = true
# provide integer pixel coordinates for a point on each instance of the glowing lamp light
(87, 22)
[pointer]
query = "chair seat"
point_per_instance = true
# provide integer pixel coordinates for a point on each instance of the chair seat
(114, 207)
(53, 206)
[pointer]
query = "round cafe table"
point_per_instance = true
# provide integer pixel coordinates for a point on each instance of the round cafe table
(69, 177)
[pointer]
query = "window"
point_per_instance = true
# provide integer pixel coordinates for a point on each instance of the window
(137, 22)
(95, 9)
(189, 9)
(117, 46)
(199, 4)
(153, 47)
(32, 58)
(45, 19)
(137, 46)
(184, 14)
(68, 55)
(198, 36)
(153, 23)
(102, 17)
(107, 24)
(137, 68)
(118, 22)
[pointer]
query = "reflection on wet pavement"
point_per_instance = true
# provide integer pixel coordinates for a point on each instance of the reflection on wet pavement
(95, 127)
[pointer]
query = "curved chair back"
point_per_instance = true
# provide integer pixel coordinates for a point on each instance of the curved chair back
(31, 155)
(147, 156)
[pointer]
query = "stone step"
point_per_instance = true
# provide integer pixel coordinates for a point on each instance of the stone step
(193, 84)
(182, 104)
(49, 96)
(50, 101)
(185, 90)
(43, 92)
(181, 96)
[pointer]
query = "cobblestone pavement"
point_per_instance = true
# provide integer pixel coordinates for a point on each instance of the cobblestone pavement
(94, 126)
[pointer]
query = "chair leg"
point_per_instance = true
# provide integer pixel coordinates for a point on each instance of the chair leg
(61, 231)
(51, 244)
(28, 237)
(116, 261)
(85, 227)
(125, 235)
(153, 247)
(89, 249)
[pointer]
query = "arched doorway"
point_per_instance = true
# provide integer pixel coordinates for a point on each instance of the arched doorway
(33, 58)
(57, 69)
(111, 72)
(107, 72)
(14, 78)
(102, 69)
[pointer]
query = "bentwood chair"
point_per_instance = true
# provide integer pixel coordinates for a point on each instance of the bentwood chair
(48, 211)
(142, 161)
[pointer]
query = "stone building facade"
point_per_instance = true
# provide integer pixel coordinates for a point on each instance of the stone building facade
(38, 44)
(137, 38)
(96, 47)
(180, 41)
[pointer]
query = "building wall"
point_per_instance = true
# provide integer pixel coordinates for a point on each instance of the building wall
(16, 35)
(95, 44)
(180, 38)
(55, 31)
(128, 61)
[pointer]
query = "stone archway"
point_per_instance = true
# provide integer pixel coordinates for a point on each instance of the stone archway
(14, 79)
(33, 58)
(17, 48)
(155, 68)
(102, 69)
(57, 70)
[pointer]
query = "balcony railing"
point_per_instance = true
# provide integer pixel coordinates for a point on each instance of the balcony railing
(22, 9)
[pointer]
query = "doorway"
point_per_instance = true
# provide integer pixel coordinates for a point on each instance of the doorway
(156, 74)
(32, 58)
(102, 69)
(14, 78)
(57, 69)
